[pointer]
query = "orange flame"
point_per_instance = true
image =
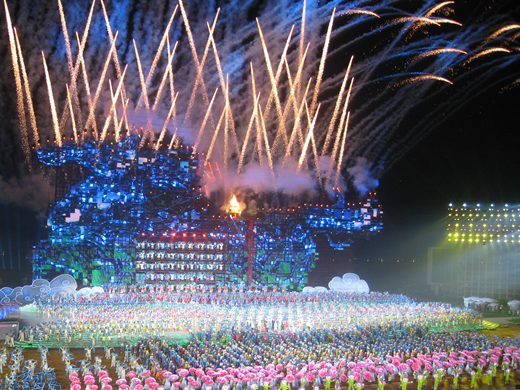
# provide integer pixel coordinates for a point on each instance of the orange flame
(234, 206)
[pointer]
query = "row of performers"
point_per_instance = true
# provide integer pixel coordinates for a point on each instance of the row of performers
(178, 277)
(182, 245)
(194, 256)
(144, 266)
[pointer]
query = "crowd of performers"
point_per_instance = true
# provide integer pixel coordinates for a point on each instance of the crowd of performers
(112, 317)
(248, 339)
(25, 374)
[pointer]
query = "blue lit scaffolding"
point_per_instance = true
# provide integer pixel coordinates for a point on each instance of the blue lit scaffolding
(139, 216)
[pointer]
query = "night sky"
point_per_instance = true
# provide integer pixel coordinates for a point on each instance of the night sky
(452, 143)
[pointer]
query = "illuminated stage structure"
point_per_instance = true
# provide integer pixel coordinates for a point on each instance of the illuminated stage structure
(480, 254)
(140, 216)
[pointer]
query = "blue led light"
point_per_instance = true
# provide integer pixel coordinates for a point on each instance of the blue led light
(156, 196)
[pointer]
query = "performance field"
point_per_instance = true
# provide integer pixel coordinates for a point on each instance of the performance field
(232, 339)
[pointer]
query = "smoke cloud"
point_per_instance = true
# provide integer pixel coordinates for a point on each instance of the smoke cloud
(361, 174)
(32, 192)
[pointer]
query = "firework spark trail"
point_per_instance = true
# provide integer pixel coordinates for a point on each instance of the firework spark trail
(170, 78)
(91, 116)
(422, 77)
(273, 95)
(274, 85)
(19, 90)
(252, 118)
(337, 106)
(168, 70)
(74, 130)
(295, 93)
(266, 141)
(438, 51)
(148, 133)
(307, 139)
(258, 143)
(340, 159)
(198, 65)
(28, 96)
(515, 36)
(81, 60)
(114, 102)
(215, 134)
(344, 116)
(156, 59)
(358, 12)
(321, 69)
(203, 125)
(165, 77)
(218, 170)
(486, 52)
(297, 125)
(169, 75)
(174, 142)
(415, 20)
(170, 114)
(293, 103)
(67, 40)
(301, 46)
(439, 21)
(248, 132)
(212, 173)
(226, 125)
(410, 76)
(298, 110)
(144, 87)
(113, 106)
(51, 101)
(414, 24)
(513, 85)
(75, 73)
(73, 77)
(298, 78)
(124, 119)
(112, 38)
(225, 90)
(317, 161)
(438, 7)
(209, 177)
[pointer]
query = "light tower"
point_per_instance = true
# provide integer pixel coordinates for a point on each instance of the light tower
(234, 210)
